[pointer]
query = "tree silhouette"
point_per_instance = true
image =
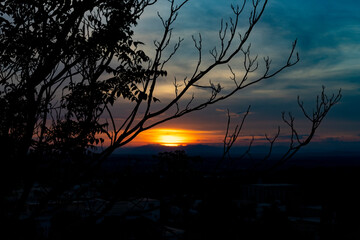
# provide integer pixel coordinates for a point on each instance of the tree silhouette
(54, 55)
(66, 64)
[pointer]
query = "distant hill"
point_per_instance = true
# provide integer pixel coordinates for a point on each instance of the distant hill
(326, 148)
(193, 150)
(315, 154)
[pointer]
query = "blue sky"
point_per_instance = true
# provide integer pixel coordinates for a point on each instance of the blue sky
(328, 33)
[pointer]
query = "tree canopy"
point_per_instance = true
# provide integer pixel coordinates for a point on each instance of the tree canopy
(54, 55)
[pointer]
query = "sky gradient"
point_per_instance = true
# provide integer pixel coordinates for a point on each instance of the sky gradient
(328, 34)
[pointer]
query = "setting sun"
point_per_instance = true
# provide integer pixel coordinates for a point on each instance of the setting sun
(172, 137)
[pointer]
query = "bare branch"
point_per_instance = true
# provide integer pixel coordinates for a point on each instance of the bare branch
(229, 140)
(198, 46)
(323, 105)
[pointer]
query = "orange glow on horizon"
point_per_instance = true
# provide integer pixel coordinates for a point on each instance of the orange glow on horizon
(173, 137)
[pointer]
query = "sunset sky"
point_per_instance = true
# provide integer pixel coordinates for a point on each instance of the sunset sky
(328, 33)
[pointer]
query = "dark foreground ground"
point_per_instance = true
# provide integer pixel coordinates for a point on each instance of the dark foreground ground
(181, 197)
